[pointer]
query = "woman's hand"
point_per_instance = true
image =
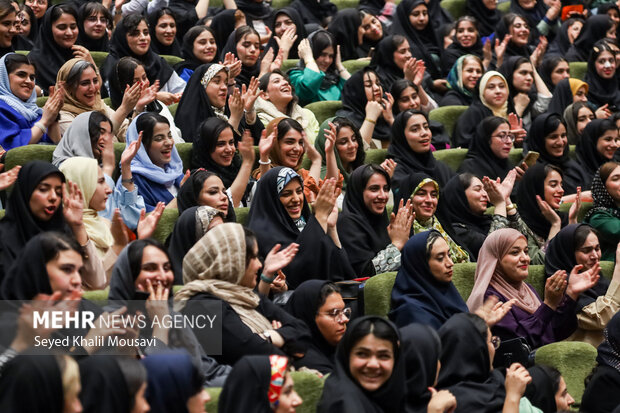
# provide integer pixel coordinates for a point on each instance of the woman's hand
(131, 151)
(117, 228)
(82, 53)
(517, 379)
(249, 95)
(279, 284)
(148, 224)
(441, 401)
(235, 104)
(487, 53)
(147, 95)
(8, 178)
(157, 302)
(579, 282)
(112, 327)
(287, 40)
(330, 138)
(53, 105)
(373, 110)
(538, 53)
(494, 190)
(305, 51)
(400, 224)
(516, 128)
(266, 144)
(603, 112)
(277, 259)
(554, 289)
(573, 212)
(549, 213)
(389, 166)
(325, 201)
(234, 67)
(492, 310)
(388, 102)
(73, 204)
(168, 98)
(246, 148)
(500, 49)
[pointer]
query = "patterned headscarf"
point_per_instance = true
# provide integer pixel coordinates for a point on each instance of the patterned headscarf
(279, 365)
(285, 176)
(603, 201)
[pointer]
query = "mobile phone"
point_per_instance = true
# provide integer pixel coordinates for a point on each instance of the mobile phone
(531, 158)
(371, 52)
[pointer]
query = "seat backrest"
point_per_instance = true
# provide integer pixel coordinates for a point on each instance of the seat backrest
(99, 58)
(325, 109)
(353, 66)
(578, 70)
(451, 157)
(447, 116)
(288, 64)
(376, 156)
(456, 8)
(172, 60)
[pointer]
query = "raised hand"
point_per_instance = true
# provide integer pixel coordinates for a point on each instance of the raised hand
(554, 289)
(148, 224)
(603, 112)
(389, 166)
(330, 137)
(287, 40)
(157, 302)
(305, 51)
(579, 282)
(388, 102)
(73, 204)
(246, 148)
(373, 110)
(325, 201)
(82, 53)
(573, 212)
(516, 128)
(500, 49)
(265, 64)
(549, 213)
(493, 190)
(250, 94)
(266, 143)
(8, 178)
(131, 96)
(493, 311)
(147, 94)
(235, 104)
(441, 401)
(517, 379)
(117, 228)
(277, 259)
(508, 183)
(400, 224)
(131, 151)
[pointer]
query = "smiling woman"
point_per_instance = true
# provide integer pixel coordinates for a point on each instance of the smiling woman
(163, 29)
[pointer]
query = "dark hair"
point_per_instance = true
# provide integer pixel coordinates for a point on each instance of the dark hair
(131, 22)
(263, 83)
(378, 327)
(360, 155)
(243, 31)
(553, 374)
(433, 236)
(549, 64)
(398, 87)
(73, 78)
(196, 31)
(479, 324)
(134, 374)
(250, 242)
(577, 106)
(14, 61)
(490, 124)
(61, 9)
(469, 19)
(146, 123)
(199, 176)
(286, 125)
(581, 233)
(607, 124)
(550, 168)
(125, 70)
(597, 49)
(326, 290)
(374, 169)
(410, 112)
(210, 130)
(94, 128)
(135, 251)
(321, 40)
(52, 243)
(92, 8)
(552, 122)
(6, 8)
(606, 169)
(164, 11)
(465, 179)
(33, 19)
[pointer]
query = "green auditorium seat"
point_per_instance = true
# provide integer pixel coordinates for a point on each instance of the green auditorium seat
(325, 109)
(447, 116)
(504, 7)
(279, 4)
(309, 387)
(288, 64)
(166, 224)
(451, 157)
(24, 52)
(25, 154)
(346, 4)
(376, 156)
(578, 70)
(41, 101)
(354, 65)
(185, 153)
(99, 57)
(172, 60)
(173, 109)
(456, 8)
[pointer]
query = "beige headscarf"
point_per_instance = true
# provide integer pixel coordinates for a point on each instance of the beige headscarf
(495, 247)
(84, 172)
(71, 103)
(502, 111)
(216, 265)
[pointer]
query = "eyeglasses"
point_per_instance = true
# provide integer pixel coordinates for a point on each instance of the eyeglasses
(496, 341)
(505, 137)
(337, 313)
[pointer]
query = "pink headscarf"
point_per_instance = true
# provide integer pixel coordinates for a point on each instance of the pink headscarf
(495, 247)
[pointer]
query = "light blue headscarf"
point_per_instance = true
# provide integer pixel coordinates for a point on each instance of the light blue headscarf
(28, 109)
(143, 165)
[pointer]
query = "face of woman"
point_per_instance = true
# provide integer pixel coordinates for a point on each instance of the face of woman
(291, 148)
(65, 31)
(205, 47)
(24, 23)
(105, 138)
(289, 399)
(402, 54)
(139, 75)
(466, 34)
(580, 95)
(38, 7)
(154, 268)
(292, 198)
(563, 399)
(520, 31)
(553, 190)
(495, 92)
(419, 17)
(372, 87)
(584, 116)
(371, 362)
(166, 29)
(561, 71)
(608, 143)
(224, 148)
(46, 198)
(409, 99)
(279, 91)
(424, 202)
(605, 65)
(574, 30)
(556, 141)
(140, 404)
(440, 262)
(88, 87)
(331, 326)
(376, 194)
(162, 143)
(346, 145)
(7, 29)
(372, 28)
(213, 194)
(515, 263)
(523, 77)
(448, 38)
(611, 33)
(95, 25)
(490, 4)
(589, 253)
(325, 59)
(418, 134)
(613, 185)
(472, 72)
(139, 40)
(196, 403)
(251, 271)
(217, 89)
(282, 24)
(477, 197)
(501, 141)
(102, 191)
(64, 272)
(248, 49)
(22, 81)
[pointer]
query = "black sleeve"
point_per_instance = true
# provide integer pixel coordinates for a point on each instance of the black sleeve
(293, 330)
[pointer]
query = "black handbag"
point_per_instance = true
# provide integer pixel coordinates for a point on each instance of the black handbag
(515, 350)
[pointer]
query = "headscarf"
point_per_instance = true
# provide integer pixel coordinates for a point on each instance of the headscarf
(417, 296)
(383, 64)
(455, 78)
(571, 114)
(456, 207)
(603, 201)
(247, 72)
(315, 12)
(141, 164)
(410, 162)
(602, 91)
(533, 15)
(261, 378)
(255, 10)
(540, 390)
(362, 232)
(104, 388)
(482, 84)
(190, 61)
(194, 106)
(588, 156)
(560, 255)
(189, 193)
(594, 29)
(71, 103)
(75, 141)
(300, 31)
(155, 66)
(342, 26)
(508, 68)
(563, 96)
(421, 347)
(343, 393)
(561, 43)
(46, 54)
(480, 159)
(609, 350)
(172, 380)
(216, 265)
(192, 224)
(503, 29)
(21, 42)
(93, 45)
(84, 172)
(32, 383)
(489, 273)
(354, 105)
(332, 76)
(156, 46)
(319, 145)
(28, 109)
(487, 19)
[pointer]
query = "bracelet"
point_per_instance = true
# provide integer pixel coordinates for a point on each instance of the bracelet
(40, 125)
(264, 163)
(510, 207)
(371, 121)
(127, 181)
(344, 69)
(266, 279)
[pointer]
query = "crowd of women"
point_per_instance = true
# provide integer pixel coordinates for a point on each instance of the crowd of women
(321, 219)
